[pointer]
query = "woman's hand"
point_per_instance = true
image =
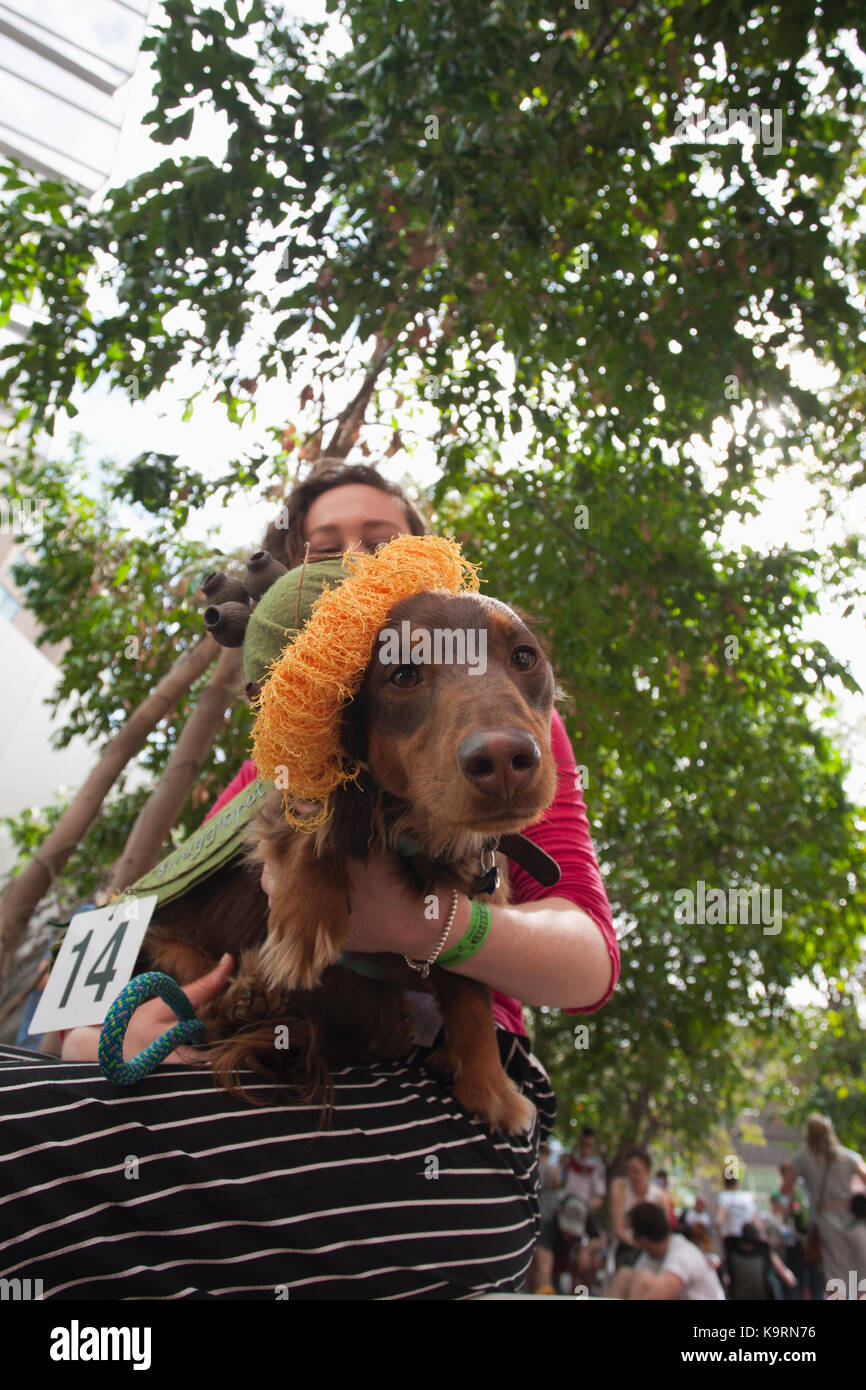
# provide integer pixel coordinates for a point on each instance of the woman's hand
(546, 952)
(151, 1020)
(387, 915)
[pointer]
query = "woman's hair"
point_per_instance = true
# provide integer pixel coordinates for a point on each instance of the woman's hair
(642, 1156)
(285, 536)
(821, 1137)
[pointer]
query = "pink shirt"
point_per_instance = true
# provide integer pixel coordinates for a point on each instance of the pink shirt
(564, 834)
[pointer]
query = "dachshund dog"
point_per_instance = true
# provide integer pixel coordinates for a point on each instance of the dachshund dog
(452, 759)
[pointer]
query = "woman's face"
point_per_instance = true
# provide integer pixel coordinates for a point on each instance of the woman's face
(638, 1174)
(353, 516)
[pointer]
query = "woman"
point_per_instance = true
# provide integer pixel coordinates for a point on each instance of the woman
(549, 946)
(637, 1185)
(832, 1173)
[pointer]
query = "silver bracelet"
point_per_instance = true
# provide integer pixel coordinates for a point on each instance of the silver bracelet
(423, 966)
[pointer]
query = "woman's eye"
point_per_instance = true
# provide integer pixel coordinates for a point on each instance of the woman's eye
(405, 677)
(524, 658)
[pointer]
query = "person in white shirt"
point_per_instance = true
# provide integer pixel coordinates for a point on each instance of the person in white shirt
(584, 1177)
(669, 1266)
(584, 1172)
(699, 1225)
(734, 1210)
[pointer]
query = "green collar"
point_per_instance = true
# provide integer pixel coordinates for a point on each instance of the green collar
(362, 964)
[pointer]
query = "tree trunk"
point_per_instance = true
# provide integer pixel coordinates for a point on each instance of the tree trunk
(352, 418)
(163, 806)
(27, 889)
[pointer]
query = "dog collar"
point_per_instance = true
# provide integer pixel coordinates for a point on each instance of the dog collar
(517, 848)
(361, 964)
(532, 858)
(488, 880)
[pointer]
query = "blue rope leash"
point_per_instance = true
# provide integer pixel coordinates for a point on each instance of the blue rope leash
(188, 1029)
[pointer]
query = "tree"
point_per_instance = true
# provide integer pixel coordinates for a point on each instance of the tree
(519, 214)
(819, 1063)
(135, 654)
(523, 179)
(688, 693)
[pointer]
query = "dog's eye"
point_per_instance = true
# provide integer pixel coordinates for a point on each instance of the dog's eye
(405, 677)
(524, 658)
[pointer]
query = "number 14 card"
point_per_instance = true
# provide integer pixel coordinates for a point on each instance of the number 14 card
(94, 963)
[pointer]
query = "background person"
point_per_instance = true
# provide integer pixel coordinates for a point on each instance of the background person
(669, 1267)
(697, 1225)
(585, 1177)
(626, 1192)
(583, 1172)
(734, 1209)
(540, 1277)
(831, 1174)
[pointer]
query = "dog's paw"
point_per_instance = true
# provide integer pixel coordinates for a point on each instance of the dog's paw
(296, 962)
(247, 999)
(491, 1096)
(496, 1101)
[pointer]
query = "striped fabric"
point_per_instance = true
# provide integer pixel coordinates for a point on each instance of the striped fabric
(174, 1190)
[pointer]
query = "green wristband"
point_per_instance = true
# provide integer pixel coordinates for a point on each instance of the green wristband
(476, 934)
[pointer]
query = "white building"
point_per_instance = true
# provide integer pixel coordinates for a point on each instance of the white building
(32, 773)
(64, 73)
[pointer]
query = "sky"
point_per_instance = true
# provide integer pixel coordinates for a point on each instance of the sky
(118, 427)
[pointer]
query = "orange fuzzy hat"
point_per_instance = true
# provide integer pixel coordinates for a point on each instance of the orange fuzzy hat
(296, 734)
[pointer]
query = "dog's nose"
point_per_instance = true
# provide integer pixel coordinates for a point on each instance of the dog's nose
(499, 762)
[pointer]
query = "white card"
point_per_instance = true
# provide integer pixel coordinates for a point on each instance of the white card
(94, 963)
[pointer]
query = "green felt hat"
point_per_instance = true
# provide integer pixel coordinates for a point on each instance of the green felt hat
(278, 616)
(283, 610)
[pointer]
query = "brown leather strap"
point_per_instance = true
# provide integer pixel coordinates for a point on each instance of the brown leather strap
(524, 852)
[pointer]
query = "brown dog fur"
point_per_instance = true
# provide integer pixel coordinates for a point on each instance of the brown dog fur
(408, 734)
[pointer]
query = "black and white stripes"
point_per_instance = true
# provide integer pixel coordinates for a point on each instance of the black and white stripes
(172, 1189)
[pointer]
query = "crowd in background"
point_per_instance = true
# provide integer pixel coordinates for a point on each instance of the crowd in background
(625, 1237)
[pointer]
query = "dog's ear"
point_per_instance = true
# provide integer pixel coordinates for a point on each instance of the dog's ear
(353, 730)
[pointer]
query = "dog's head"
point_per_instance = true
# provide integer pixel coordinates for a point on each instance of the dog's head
(453, 716)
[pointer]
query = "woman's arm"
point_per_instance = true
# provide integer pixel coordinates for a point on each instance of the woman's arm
(617, 1210)
(563, 833)
(783, 1271)
(547, 952)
